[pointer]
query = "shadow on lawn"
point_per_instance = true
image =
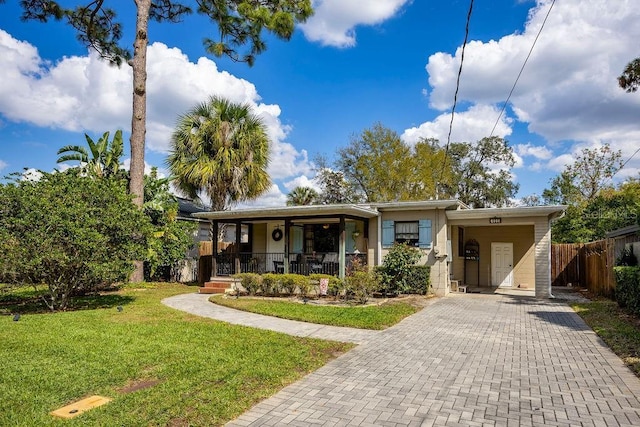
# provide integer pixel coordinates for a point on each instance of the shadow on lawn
(33, 303)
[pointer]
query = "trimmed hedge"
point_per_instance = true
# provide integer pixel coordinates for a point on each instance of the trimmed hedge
(628, 288)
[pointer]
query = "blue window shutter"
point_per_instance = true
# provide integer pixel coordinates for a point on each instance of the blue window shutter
(388, 234)
(424, 236)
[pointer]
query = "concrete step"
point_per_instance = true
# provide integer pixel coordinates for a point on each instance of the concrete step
(217, 286)
(212, 290)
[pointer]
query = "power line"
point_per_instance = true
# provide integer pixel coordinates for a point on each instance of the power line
(455, 95)
(521, 69)
(625, 162)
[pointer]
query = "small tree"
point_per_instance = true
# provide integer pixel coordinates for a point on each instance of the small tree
(71, 233)
(302, 196)
(629, 80)
(102, 159)
(220, 148)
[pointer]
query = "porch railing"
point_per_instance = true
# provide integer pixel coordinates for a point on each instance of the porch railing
(306, 264)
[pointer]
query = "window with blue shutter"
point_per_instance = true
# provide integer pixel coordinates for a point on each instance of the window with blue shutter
(388, 234)
(424, 233)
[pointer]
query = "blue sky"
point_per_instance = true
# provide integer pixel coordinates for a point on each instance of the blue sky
(353, 64)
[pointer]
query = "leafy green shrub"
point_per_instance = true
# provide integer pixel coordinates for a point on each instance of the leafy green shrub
(418, 279)
(171, 238)
(250, 281)
(396, 267)
(360, 285)
(287, 282)
(628, 288)
(270, 284)
(72, 233)
(302, 283)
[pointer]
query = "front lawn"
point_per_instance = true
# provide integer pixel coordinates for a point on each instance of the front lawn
(200, 371)
(619, 330)
(363, 317)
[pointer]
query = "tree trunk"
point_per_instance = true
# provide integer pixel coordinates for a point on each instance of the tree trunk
(139, 116)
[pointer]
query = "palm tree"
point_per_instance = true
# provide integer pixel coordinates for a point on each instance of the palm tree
(103, 158)
(222, 149)
(302, 196)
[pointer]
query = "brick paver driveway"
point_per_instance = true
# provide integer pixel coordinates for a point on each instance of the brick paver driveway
(467, 360)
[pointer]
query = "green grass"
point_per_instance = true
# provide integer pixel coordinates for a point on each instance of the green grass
(620, 331)
(207, 372)
(363, 317)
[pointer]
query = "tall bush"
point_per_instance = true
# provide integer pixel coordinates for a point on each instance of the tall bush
(171, 238)
(71, 233)
(628, 288)
(395, 271)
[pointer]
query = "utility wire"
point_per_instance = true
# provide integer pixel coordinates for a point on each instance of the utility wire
(455, 95)
(522, 69)
(625, 162)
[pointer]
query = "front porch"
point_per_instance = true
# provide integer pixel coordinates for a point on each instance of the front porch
(227, 264)
(319, 239)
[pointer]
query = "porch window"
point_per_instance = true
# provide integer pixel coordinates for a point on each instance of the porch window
(407, 232)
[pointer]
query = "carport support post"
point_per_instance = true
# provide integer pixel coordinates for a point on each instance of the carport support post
(214, 249)
(342, 248)
(237, 248)
(287, 228)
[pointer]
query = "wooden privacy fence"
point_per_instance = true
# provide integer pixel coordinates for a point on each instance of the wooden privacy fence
(589, 265)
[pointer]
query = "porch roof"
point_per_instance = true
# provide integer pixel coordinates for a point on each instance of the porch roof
(551, 212)
(284, 212)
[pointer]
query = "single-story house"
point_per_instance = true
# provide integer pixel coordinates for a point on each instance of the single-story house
(492, 247)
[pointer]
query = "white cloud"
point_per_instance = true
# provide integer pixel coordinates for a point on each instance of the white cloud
(334, 21)
(3, 164)
(538, 151)
(31, 174)
(302, 181)
(568, 92)
(468, 126)
(273, 197)
(559, 163)
(85, 94)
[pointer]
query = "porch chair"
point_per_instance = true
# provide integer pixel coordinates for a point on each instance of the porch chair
(278, 267)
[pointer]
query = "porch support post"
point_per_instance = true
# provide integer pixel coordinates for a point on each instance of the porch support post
(287, 229)
(237, 248)
(342, 245)
(214, 249)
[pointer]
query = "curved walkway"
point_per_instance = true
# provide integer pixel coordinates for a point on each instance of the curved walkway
(199, 305)
(466, 360)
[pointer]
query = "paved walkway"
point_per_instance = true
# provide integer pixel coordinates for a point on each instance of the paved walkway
(199, 304)
(467, 360)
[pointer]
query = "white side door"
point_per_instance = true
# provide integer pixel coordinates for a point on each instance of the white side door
(502, 264)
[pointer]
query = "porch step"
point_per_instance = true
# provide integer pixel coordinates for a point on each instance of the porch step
(217, 286)
(212, 290)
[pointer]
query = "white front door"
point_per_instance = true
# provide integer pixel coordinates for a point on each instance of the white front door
(502, 264)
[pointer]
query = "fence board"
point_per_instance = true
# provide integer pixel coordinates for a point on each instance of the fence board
(565, 264)
(589, 265)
